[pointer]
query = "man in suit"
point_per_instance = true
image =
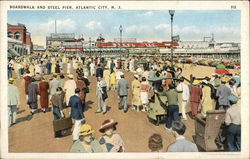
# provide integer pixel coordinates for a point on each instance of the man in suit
(75, 103)
(122, 92)
(99, 71)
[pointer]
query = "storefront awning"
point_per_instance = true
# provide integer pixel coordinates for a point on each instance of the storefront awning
(12, 52)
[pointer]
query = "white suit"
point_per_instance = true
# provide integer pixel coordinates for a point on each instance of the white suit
(69, 86)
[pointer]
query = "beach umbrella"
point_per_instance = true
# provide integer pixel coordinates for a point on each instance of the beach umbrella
(220, 66)
(221, 71)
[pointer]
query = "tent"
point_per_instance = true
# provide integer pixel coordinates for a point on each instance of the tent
(221, 71)
(220, 66)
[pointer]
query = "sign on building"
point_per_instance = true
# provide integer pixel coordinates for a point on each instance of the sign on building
(62, 35)
(132, 40)
(176, 38)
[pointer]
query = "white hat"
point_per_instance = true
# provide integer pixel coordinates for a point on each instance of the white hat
(204, 81)
(136, 76)
(70, 76)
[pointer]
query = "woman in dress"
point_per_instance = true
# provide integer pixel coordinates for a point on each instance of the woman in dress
(136, 93)
(69, 67)
(144, 93)
(195, 97)
(106, 75)
(113, 81)
(32, 69)
(207, 102)
(53, 67)
(110, 141)
(86, 142)
(27, 78)
(44, 94)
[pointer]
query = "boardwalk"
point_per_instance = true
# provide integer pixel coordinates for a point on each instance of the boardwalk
(35, 134)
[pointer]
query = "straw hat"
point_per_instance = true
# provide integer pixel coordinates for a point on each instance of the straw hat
(11, 79)
(86, 130)
(237, 73)
(196, 82)
(70, 76)
(107, 124)
(223, 79)
(38, 77)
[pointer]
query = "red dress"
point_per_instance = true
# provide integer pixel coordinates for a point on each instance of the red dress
(44, 95)
(27, 82)
(195, 98)
(81, 85)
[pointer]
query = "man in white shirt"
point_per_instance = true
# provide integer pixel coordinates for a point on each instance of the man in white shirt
(92, 69)
(184, 89)
(118, 74)
(13, 101)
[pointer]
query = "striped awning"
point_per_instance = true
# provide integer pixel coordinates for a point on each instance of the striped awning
(12, 52)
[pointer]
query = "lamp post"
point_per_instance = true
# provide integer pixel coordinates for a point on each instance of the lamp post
(76, 49)
(120, 28)
(100, 40)
(171, 12)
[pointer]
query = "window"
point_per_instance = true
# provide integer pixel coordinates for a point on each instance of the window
(10, 35)
(17, 35)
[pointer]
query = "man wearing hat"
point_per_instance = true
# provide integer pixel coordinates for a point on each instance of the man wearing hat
(86, 142)
(185, 93)
(13, 101)
(69, 87)
(122, 92)
(110, 141)
(76, 105)
(99, 71)
(223, 92)
(233, 121)
(101, 92)
(173, 108)
(106, 75)
(236, 77)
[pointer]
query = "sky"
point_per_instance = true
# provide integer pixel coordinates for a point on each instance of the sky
(144, 25)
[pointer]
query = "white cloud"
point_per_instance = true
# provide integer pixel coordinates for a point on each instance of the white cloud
(66, 25)
(162, 27)
(131, 29)
(42, 30)
(148, 13)
(93, 25)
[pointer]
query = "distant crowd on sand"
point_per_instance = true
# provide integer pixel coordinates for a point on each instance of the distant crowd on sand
(50, 82)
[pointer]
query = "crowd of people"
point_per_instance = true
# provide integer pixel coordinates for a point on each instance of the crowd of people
(45, 85)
